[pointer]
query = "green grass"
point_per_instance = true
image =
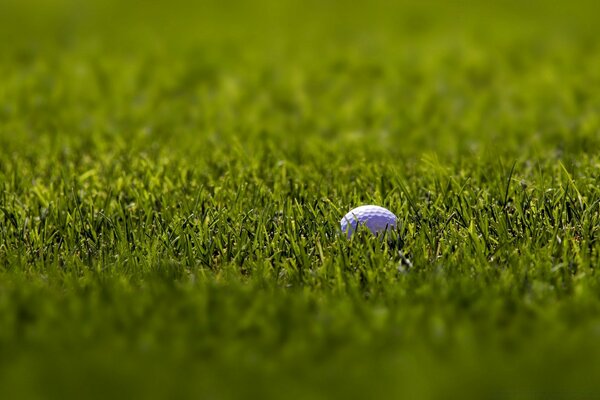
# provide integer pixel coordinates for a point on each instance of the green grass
(172, 176)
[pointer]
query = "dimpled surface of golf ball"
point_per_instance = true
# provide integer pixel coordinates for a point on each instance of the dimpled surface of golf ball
(376, 219)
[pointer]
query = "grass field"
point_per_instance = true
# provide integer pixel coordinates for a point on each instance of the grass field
(173, 174)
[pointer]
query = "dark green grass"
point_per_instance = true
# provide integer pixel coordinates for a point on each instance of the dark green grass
(172, 178)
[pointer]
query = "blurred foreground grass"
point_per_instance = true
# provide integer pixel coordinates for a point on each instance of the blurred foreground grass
(172, 175)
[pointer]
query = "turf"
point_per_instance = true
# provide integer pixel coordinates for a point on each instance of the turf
(172, 176)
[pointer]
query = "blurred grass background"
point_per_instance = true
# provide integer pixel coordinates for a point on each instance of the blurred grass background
(172, 174)
(463, 67)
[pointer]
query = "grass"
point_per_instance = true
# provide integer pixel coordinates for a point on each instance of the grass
(172, 177)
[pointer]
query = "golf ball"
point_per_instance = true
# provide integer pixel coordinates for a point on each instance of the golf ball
(376, 219)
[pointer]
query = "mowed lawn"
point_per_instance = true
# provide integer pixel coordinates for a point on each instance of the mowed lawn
(173, 174)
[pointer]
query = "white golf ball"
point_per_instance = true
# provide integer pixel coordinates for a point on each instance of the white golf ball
(376, 219)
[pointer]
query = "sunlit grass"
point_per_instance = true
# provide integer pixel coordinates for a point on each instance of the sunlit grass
(172, 179)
